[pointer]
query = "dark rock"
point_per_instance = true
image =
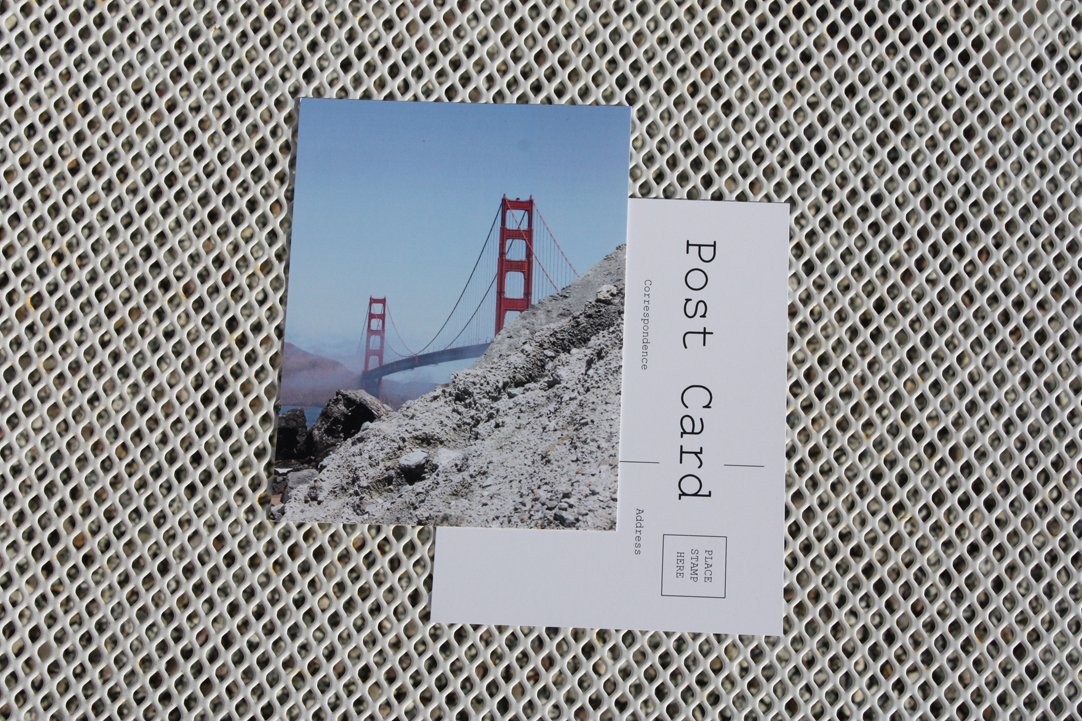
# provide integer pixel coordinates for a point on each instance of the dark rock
(292, 430)
(301, 478)
(341, 419)
(276, 513)
(412, 464)
(277, 484)
(564, 519)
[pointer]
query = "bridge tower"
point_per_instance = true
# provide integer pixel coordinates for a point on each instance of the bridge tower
(511, 231)
(375, 328)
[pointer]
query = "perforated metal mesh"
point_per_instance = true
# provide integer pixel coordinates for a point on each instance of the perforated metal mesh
(930, 154)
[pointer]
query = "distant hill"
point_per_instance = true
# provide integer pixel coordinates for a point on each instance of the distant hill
(395, 393)
(311, 380)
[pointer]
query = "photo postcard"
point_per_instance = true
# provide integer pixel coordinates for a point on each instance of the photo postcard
(700, 540)
(454, 315)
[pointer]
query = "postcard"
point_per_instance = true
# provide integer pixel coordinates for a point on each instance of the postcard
(454, 312)
(699, 541)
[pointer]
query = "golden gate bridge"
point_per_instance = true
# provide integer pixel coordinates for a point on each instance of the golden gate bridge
(502, 284)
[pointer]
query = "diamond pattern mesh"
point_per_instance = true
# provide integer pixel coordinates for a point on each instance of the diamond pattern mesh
(930, 153)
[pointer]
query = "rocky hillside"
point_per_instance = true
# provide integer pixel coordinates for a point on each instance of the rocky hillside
(526, 437)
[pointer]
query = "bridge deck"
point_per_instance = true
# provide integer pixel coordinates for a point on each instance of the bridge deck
(370, 379)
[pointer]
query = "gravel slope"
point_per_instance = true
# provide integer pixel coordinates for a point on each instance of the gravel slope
(527, 437)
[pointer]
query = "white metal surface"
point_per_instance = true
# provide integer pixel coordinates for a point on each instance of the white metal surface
(930, 153)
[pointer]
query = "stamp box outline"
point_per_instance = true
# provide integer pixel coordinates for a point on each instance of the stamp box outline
(725, 561)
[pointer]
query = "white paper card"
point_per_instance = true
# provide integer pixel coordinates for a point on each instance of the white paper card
(698, 545)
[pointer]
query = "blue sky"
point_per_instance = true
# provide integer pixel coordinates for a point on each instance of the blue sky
(396, 198)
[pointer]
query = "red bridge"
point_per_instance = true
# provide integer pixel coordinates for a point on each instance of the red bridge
(501, 285)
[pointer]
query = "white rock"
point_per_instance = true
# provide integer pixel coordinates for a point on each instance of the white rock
(413, 460)
(299, 478)
(606, 293)
(448, 459)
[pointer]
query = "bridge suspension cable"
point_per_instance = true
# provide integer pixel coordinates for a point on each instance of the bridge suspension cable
(397, 352)
(466, 287)
(475, 310)
(549, 261)
(551, 281)
(562, 254)
(399, 335)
